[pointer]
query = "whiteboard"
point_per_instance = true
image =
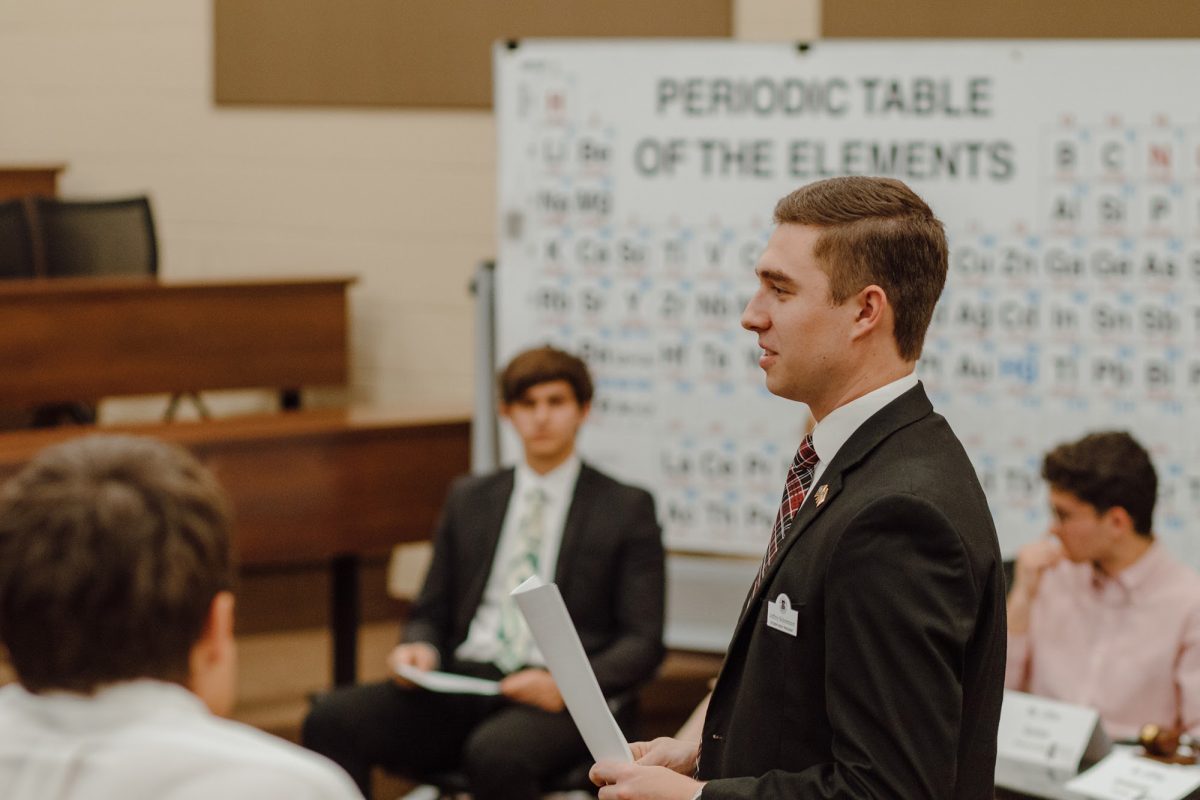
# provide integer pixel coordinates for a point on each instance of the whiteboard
(636, 184)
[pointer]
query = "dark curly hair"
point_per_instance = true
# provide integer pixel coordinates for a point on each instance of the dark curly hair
(1108, 469)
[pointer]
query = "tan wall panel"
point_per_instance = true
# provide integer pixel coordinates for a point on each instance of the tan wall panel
(412, 53)
(1017, 19)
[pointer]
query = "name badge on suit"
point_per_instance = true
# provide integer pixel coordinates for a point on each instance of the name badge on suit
(781, 616)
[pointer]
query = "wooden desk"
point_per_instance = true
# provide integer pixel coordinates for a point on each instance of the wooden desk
(29, 179)
(318, 486)
(69, 339)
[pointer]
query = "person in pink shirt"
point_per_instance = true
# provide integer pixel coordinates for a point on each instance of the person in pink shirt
(1100, 614)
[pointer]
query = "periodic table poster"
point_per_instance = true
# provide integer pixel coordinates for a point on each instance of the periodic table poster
(637, 180)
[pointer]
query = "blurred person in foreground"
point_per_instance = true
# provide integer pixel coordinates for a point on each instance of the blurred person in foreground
(1100, 614)
(117, 615)
(553, 516)
(869, 658)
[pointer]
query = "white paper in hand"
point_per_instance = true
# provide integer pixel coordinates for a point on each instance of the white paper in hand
(544, 610)
(447, 682)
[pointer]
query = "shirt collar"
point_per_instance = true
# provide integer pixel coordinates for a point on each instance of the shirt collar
(1139, 573)
(109, 706)
(840, 424)
(558, 483)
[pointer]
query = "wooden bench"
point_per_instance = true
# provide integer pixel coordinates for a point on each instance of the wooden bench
(69, 339)
(314, 486)
(23, 180)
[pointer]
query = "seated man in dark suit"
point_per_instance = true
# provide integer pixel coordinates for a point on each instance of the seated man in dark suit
(554, 516)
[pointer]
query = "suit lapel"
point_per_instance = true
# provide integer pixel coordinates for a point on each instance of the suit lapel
(904, 410)
(573, 529)
(493, 505)
(804, 517)
(832, 481)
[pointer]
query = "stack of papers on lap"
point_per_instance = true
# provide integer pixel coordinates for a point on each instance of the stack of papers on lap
(447, 682)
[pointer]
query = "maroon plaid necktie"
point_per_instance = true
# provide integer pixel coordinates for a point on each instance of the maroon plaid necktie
(799, 479)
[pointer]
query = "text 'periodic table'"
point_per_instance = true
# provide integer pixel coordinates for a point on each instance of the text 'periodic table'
(637, 181)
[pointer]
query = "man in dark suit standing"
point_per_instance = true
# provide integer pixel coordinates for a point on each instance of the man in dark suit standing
(869, 658)
(554, 516)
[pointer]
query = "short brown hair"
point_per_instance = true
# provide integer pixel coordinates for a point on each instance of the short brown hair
(542, 365)
(112, 549)
(876, 231)
(1106, 470)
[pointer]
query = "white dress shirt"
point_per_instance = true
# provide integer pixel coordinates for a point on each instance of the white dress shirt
(148, 740)
(558, 486)
(840, 424)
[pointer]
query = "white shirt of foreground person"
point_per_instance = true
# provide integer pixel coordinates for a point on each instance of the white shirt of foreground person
(148, 740)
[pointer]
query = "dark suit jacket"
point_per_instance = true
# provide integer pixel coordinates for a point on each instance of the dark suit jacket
(891, 687)
(610, 572)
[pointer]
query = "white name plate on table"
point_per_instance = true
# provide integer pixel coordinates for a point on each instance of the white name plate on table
(1042, 743)
(1125, 776)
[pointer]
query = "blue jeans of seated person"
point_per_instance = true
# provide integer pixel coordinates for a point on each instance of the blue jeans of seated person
(506, 749)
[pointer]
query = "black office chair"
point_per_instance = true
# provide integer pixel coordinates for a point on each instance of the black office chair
(92, 238)
(16, 241)
(97, 237)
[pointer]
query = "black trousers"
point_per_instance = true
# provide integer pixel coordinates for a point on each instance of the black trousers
(506, 749)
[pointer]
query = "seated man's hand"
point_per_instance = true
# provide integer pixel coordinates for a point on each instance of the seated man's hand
(674, 754)
(1032, 562)
(417, 655)
(636, 782)
(533, 687)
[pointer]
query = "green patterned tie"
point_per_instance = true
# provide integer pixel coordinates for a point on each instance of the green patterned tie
(515, 638)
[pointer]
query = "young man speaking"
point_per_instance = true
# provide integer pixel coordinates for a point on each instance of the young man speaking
(869, 657)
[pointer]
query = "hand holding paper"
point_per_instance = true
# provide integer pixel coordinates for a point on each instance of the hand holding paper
(639, 782)
(417, 655)
(674, 754)
(544, 610)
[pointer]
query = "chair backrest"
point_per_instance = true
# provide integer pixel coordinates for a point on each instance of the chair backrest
(16, 241)
(97, 237)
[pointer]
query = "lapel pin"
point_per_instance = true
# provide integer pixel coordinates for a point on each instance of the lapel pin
(821, 493)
